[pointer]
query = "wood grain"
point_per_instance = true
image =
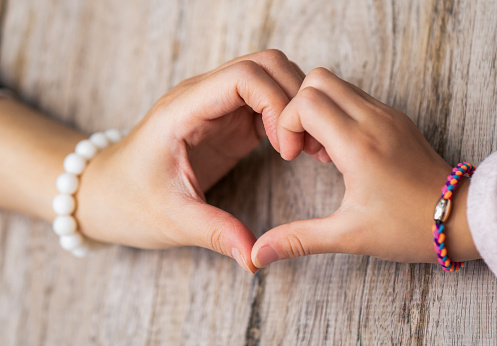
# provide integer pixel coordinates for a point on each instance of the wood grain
(99, 63)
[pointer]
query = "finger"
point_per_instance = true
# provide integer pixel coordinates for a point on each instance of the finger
(298, 69)
(275, 63)
(323, 156)
(312, 111)
(351, 99)
(259, 127)
(225, 91)
(287, 74)
(217, 230)
(315, 149)
(300, 238)
(311, 145)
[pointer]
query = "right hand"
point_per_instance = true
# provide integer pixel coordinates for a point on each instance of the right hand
(147, 191)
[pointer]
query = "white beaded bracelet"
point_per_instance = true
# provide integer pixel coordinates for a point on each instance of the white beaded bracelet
(64, 204)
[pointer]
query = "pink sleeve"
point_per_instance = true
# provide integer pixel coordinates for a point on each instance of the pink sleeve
(482, 210)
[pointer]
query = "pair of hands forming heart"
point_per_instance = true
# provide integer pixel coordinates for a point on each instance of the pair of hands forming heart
(148, 190)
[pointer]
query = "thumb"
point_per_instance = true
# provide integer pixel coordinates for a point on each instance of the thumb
(217, 230)
(300, 238)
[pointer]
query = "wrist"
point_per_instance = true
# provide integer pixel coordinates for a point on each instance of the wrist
(34, 148)
(68, 184)
(93, 184)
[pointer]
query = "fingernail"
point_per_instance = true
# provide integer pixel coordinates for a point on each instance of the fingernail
(240, 260)
(284, 155)
(265, 256)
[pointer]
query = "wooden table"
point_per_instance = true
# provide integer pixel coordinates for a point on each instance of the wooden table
(95, 64)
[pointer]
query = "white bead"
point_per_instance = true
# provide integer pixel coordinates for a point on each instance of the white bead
(81, 251)
(74, 163)
(86, 149)
(113, 135)
(71, 241)
(67, 183)
(63, 204)
(63, 225)
(99, 140)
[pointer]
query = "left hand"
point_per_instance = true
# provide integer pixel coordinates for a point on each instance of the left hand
(392, 180)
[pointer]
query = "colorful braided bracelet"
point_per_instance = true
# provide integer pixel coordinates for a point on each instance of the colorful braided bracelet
(442, 212)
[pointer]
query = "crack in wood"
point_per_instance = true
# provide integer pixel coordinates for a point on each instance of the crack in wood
(424, 308)
(253, 333)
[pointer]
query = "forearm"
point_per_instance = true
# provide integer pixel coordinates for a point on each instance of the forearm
(32, 150)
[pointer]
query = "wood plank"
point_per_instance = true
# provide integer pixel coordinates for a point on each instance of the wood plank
(99, 64)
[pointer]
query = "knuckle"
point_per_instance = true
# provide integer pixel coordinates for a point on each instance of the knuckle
(295, 246)
(246, 67)
(215, 235)
(309, 96)
(317, 75)
(274, 55)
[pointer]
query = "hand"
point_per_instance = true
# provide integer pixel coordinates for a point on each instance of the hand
(392, 178)
(147, 190)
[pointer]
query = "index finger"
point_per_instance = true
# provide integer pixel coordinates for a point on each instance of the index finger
(276, 64)
(243, 83)
(287, 75)
(314, 112)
